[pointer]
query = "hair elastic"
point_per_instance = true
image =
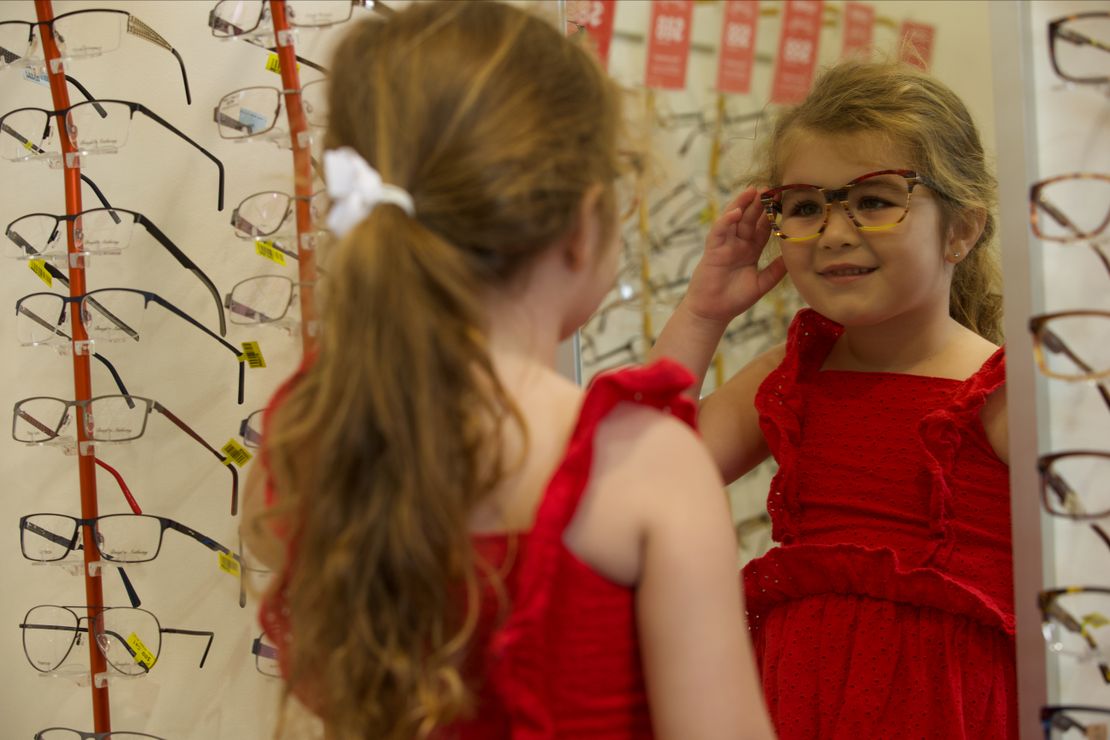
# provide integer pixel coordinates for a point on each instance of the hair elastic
(356, 189)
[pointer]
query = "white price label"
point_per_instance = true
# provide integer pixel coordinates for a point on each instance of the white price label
(670, 28)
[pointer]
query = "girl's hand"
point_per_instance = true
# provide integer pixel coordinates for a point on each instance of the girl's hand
(727, 280)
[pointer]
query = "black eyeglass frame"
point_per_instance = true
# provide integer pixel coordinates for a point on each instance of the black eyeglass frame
(134, 108)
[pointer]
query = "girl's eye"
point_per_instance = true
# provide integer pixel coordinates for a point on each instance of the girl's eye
(804, 209)
(873, 203)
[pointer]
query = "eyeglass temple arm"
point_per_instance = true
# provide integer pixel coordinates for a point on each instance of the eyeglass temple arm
(187, 263)
(1062, 219)
(119, 478)
(194, 633)
(5, 128)
(219, 165)
(116, 320)
(263, 650)
(87, 96)
(100, 197)
(1052, 341)
(306, 62)
(222, 458)
(238, 355)
(136, 27)
(1079, 39)
(211, 544)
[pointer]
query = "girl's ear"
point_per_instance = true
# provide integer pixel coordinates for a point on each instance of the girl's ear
(584, 240)
(963, 234)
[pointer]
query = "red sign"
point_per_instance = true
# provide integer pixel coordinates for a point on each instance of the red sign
(917, 43)
(797, 57)
(596, 19)
(859, 24)
(668, 44)
(734, 67)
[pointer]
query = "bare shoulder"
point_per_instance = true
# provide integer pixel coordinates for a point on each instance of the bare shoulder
(650, 473)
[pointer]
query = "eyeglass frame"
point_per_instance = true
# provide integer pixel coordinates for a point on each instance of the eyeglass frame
(264, 13)
(260, 650)
(148, 297)
(1044, 463)
(1047, 598)
(1054, 28)
(235, 219)
(1050, 710)
(839, 195)
(221, 120)
(234, 306)
(151, 405)
(100, 610)
(134, 108)
(1035, 202)
(158, 235)
(142, 31)
(80, 735)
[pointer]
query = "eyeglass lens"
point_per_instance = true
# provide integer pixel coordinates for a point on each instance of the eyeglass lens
(231, 18)
(50, 632)
(876, 203)
(1080, 46)
(1072, 208)
(65, 733)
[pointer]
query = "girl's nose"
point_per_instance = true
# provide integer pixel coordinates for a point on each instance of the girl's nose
(840, 231)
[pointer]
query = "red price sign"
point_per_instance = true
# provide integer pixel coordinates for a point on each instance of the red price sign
(668, 44)
(917, 43)
(859, 25)
(596, 19)
(734, 67)
(797, 57)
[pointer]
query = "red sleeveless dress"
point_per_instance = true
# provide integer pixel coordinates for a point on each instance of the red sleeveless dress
(887, 609)
(565, 661)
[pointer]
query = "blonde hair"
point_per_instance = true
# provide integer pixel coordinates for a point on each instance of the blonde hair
(922, 117)
(497, 126)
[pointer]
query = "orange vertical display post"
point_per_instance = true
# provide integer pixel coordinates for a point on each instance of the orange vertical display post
(302, 173)
(82, 382)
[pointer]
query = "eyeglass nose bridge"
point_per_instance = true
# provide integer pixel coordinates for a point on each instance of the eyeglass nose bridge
(839, 197)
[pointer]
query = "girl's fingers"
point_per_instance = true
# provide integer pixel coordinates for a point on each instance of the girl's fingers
(770, 275)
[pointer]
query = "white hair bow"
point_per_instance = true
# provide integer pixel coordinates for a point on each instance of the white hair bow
(356, 188)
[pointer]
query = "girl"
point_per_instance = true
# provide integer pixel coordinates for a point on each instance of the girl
(475, 546)
(887, 609)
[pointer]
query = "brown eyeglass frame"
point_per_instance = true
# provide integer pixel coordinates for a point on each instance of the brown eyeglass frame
(1046, 600)
(1055, 32)
(1036, 204)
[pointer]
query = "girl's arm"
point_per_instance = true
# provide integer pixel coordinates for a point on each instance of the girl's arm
(726, 282)
(655, 517)
(995, 421)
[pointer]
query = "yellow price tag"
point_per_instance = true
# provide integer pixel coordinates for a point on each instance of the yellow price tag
(273, 64)
(228, 564)
(39, 268)
(266, 249)
(236, 453)
(253, 355)
(140, 653)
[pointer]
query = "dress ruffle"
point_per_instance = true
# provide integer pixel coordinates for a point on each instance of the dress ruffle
(518, 665)
(798, 571)
(941, 433)
(781, 407)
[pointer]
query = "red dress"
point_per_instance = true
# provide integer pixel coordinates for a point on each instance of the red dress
(887, 609)
(565, 662)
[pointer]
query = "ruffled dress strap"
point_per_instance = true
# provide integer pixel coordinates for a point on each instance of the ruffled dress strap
(781, 406)
(518, 666)
(942, 432)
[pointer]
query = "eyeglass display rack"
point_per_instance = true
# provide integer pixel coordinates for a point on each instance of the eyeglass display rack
(82, 378)
(302, 173)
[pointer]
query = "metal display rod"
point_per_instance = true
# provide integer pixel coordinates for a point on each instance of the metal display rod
(82, 381)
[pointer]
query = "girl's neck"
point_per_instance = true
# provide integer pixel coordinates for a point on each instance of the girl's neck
(905, 345)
